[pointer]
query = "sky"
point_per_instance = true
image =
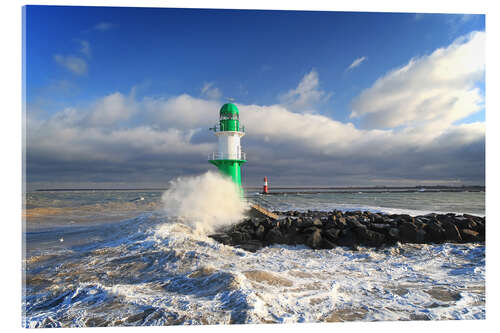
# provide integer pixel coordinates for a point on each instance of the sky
(124, 97)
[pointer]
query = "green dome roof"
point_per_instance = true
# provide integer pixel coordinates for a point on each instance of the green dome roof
(229, 108)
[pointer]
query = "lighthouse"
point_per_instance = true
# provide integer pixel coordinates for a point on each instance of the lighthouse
(229, 131)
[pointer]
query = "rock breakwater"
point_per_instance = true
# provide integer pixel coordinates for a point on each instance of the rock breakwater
(326, 230)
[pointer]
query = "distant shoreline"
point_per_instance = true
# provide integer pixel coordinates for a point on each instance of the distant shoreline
(307, 190)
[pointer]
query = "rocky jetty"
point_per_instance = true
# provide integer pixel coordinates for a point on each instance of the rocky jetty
(326, 230)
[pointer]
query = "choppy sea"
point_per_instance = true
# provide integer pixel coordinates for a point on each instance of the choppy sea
(116, 258)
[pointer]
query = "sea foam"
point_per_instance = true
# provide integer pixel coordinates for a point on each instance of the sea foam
(205, 202)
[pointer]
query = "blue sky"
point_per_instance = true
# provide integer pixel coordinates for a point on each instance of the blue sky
(309, 63)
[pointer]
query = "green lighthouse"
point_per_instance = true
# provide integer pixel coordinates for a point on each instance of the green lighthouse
(229, 156)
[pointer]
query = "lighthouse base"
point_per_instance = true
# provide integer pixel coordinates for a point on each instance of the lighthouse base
(230, 168)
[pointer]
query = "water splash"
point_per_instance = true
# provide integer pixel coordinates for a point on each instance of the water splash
(205, 202)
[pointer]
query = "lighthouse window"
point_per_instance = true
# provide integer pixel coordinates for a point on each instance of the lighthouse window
(230, 117)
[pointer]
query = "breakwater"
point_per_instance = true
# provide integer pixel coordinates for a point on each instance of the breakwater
(326, 230)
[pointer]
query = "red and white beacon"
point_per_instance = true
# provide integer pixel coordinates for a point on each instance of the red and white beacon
(264, 189)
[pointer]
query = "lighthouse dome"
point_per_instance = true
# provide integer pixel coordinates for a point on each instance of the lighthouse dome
(229, 109)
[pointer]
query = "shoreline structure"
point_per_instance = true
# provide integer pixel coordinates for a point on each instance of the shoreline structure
(327, 230)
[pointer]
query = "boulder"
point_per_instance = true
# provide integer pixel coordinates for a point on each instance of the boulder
(451, 232)
(341, 223)
(480, 227)
(347, 238)
(239, 237)
(326, 244)
(465, 223)
(421, 236)
(380, 226)
(434, 232)
(256, 223)
(352, 222)
(260, 232)
(314, 239)
(470, 235)
(317, 223)
(408, 232)
(373, 238)
(274, 236)
(332, 234)
(394, 233)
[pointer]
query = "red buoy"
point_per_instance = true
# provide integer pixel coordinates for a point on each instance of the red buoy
(264, 189)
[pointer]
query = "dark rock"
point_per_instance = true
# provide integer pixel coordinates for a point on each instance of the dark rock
(402, 217)
(309, 230)
(470, 235)
(472, 217)
(394, 233)
(239, 237)
(306, 223)
(326, 244)
(421, 236)
(465, 223)
(296, 237)
(347, 238)
(221, 238)
(260, 232)
(353, 222)
(341, 223)
(380, 226)
(451, 232)
(332, 234)
(377, 218)
(317, 222)
(434, 232)
(373, 238)
(274, 236)
(360, 231)
(480, 227)
(256, 223)
(408, 232)
(314, 240)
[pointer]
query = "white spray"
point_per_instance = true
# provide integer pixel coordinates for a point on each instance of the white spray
(204, 202)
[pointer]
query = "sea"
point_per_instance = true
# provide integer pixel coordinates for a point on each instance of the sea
(119, 258)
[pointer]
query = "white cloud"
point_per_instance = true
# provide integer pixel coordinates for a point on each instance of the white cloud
(112, 109)
(356, 63)
(210, 91)
(104, 26)
(433, 91)
(85, 48)
(306, 95)
(183, 111)
(74, 64)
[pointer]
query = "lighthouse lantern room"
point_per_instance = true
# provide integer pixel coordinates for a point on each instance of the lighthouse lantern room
(229, 156)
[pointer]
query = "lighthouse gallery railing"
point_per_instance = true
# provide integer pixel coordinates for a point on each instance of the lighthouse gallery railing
(217, 128)
(224, 156)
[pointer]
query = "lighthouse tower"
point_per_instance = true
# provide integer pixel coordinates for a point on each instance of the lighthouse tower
(229, 156)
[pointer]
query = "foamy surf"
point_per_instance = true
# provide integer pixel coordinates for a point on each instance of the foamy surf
(204, 202)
